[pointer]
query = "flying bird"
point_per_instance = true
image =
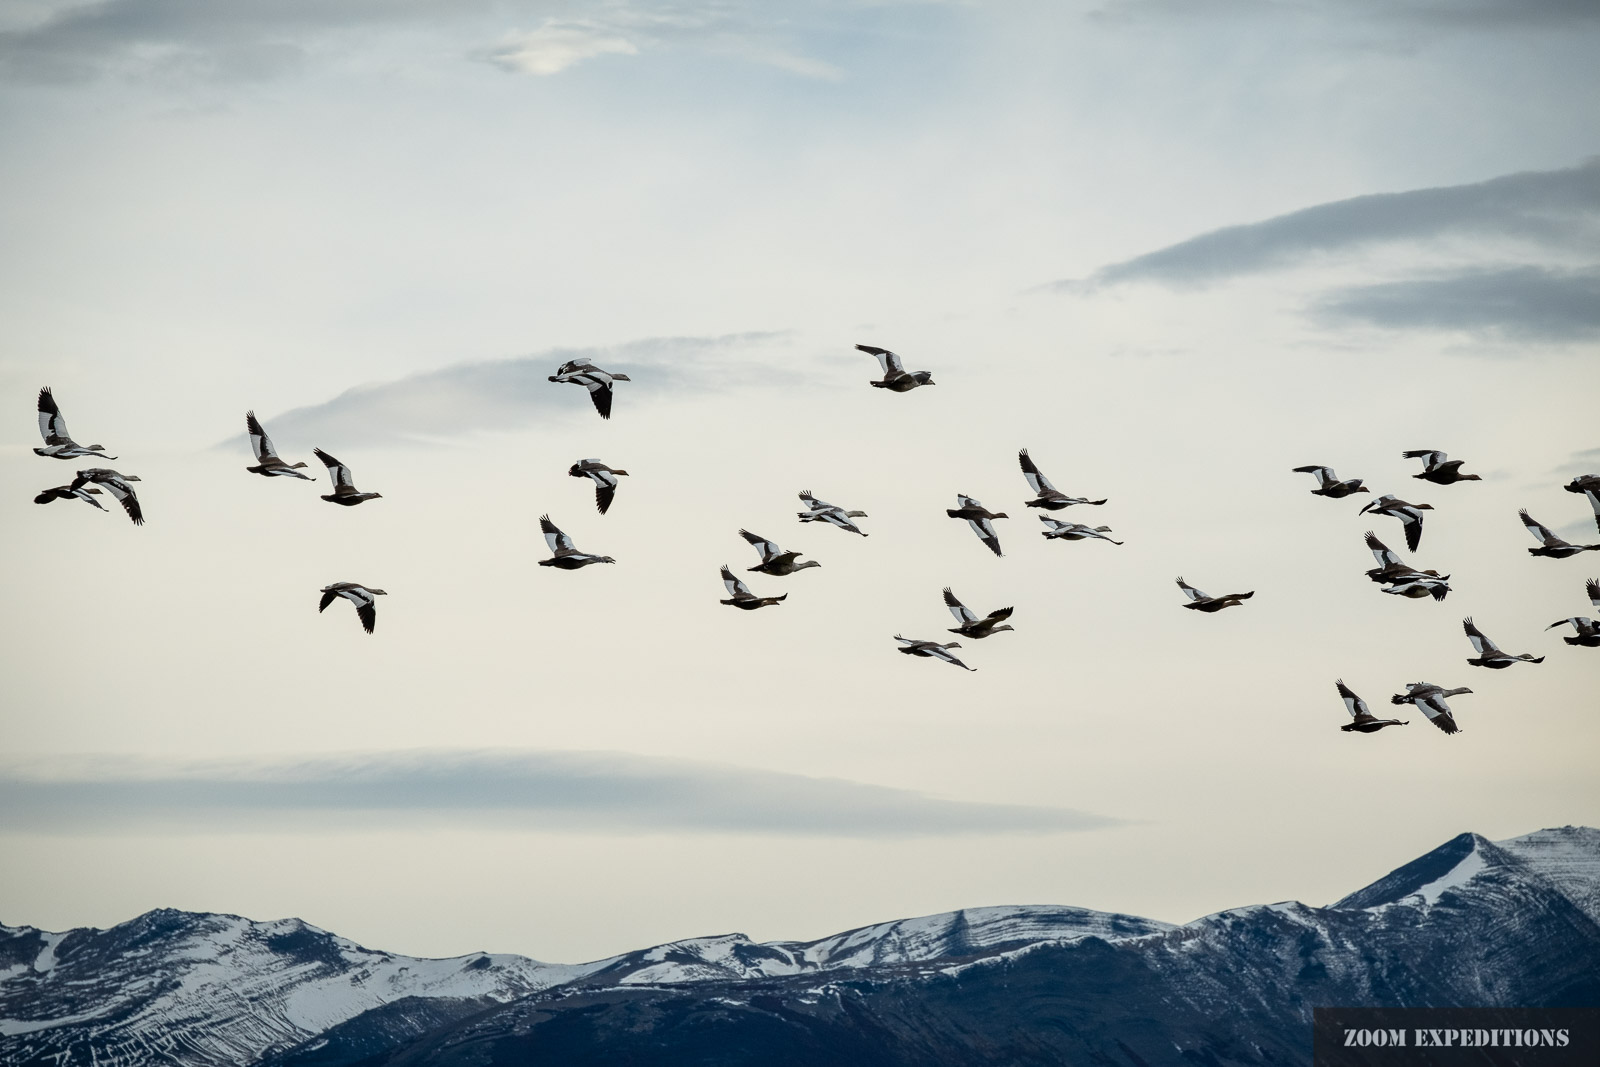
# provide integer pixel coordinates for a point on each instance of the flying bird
(603, 477)
(1410, 515)
(1430, 698)
(1549, 544)
(1049, 497)
(564, 554)
(1198, 601)
(268, 463)
(67, 492)
(972, 626)
(741, 594)
(774, 560)
(115, 484)
(894, 371)
(1362, 719)
(58, 443)
(822, 511)
(933, 650)
(1488, 653)
(1073, 531)
(1589, 486)
(1587, 631)
(1402, 579)
(344, 489)
(1328, 483)
(363, 598)
(581, 372)
(979, 518)
(1417, 585)
(1439, 468)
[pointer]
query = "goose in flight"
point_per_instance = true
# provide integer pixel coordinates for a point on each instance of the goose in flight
(1416, 585)
(1430, 698)
(1328, 483)
(894, 371)
(1404, 580)
(979, 518)
(741, 594)
(822, 511)
(563, 553)
(1439, 468)
(1549, 544)
(115, 484)
(1410, 515)
(1589, 486)
(344, 489)
(363, 598)
(1488, 653)
(1074, 531)
(268, 463)
(581, 372)
(1362, 719)
(603, 477)
(932, 649)
(58, 443)
(1198, 601)
(972, 626)
(66, 492)
(1049, 497)
(1587, 631)
(774, 560)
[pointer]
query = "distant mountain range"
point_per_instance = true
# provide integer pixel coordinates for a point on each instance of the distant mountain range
(1472, 923)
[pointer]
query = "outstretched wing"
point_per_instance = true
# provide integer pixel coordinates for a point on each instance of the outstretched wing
(1594, 502)
(968, 502)
(336, 470)
(1438, 713)
(328, 597)
(888, 360)
(1540, 531)
(1354, 704)
(600, 393)
(124, 494)
(1592, 587)
(1036, 481)
(52, 427)
(1385, 556)
(1325, 475)
(812, 502)
(574, 366)
(768, 549)
(962, 613)
(736, 589)
(1431, 457)
(1411, 521)
(368, 614)
(1191, 592)
(1480, 643)
(558, 541)
(985, 531)
(260, 443)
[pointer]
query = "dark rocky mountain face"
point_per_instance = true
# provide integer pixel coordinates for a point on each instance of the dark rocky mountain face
(1471, 923)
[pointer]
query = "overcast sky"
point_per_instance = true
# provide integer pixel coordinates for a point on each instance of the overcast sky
(1172, 249)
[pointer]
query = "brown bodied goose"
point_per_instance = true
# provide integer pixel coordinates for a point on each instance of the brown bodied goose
(1363, 721)
(1198, 601)
(822, 511)
(741, 594)
(603, 477)
(1328, 483)
(1049, 497)
(1549, 544)
(1410, 515)
(1587, 630)
(895, 377)
(1439, 468)
(979, 518)
(115, 484)
(1488, 653)
(933, 650)
(363, 598)
(268, 463)
(1589, 486)
(1074, 531)
(1403, 580)
(581, 372)
(58, 443)
(564, 554)
(1430, 698)
(774, 560)
(344, 489)
(1416, 585)
(66, 492)
(972, 626)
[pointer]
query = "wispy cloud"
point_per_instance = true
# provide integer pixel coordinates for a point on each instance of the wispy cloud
(1522, 303)
(546, 791)
(1442, 14)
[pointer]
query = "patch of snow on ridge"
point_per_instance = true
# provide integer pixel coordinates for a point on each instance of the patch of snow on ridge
(46, 960)
(1569, 857)
(1460, 874)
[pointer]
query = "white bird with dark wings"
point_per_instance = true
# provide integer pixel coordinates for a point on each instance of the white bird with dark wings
(980, 518)
(1410, 515)
(1362, 719)
(1198, 601)
(268, 463)
(774, 560)
(1328, 483)
(564, 554)
(1074, 531)
(1402, 579)
(822, 511)
(971, 625)
(67, 492)
(603, 477)
(362, 597)
(115, 484)
(1430, 698)
(895, 377)
(58, 443)
(581, 372)
(344, 486)
(932, 650)
(741, 595)
(1549, 544)
(1488, 653)
(1048, 496)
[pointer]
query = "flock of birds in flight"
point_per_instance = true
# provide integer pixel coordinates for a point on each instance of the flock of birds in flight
(1392, 573)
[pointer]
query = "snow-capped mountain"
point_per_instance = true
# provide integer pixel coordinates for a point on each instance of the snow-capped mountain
(1514, 922)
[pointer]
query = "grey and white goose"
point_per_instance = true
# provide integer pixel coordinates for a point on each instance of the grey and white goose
(564, 555)
(972, 626)
(1328, 483)
(1430, 699)
(741, 594)
(1362, 719)
(774, 560)
(1402, 579)
(603, 477)
(1549, 544)
(1587, 630)
(1589, 486)
(344, 488)
(267, 461)
(980, 518)
(58, 443)
(1074, 531)
(67, 492)
(581, 372)
(895, 377)
(1048, 496)
(1488, 653)
(1439, 468)
(1410, 515)
(932, 650)
(1198, 601)
(822, 511)
(115, 484)
(361, 596)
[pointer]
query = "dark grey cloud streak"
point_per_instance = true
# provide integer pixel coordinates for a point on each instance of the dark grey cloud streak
(1444, 14)
(1523, 303)
(544, 791)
